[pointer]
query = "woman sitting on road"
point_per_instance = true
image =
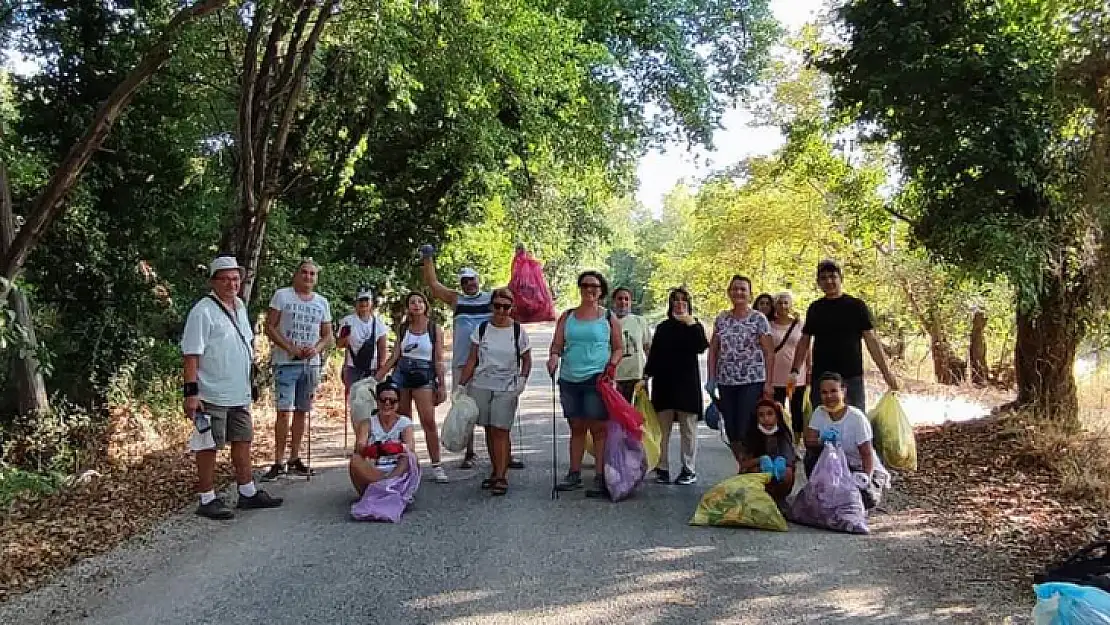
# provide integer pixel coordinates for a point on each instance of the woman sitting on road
(383, 455)
(495, 374)
(741, 363)
(418, 358)
(770, 449)
(588, 342)
(836, 422)
(675, 376)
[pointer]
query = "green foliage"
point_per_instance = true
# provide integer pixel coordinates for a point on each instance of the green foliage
(16, 482)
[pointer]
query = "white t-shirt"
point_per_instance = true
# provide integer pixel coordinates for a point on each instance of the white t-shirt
(361, 331)
(224, 371)
(854, 430)
(300, 321)
(379, 435)
(498, 369)
(418, 346)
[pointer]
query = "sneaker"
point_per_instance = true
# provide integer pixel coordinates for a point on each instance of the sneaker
(261, 500)
(439, 476)
(468, 461)
(662, 476)
(516, 463)
(598, 489)
(686, 477)
(296, 467)
(276, 470)
(216, 509)
(573, 481)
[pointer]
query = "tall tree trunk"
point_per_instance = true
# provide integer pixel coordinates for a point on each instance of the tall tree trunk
(1044, 357)
(30, 386)
(977, 352)
(50, 203)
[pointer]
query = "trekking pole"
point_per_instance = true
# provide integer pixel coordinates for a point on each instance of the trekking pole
(554, 446)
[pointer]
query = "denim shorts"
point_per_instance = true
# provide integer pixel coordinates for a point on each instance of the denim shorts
(295, 385)
(581, 400)
(411, 370)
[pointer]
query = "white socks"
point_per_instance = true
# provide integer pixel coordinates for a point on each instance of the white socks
(207, 498)
(247, 490)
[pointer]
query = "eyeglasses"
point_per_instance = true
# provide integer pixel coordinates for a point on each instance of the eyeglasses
(387, 401)
(228, 279)
(502, 306)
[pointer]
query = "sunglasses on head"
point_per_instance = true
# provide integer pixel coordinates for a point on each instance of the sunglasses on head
(502, 306)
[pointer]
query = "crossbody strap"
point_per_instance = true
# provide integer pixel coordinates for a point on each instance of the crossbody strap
(786, 337)
(234, 323)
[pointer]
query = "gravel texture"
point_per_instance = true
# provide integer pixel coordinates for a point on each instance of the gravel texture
(461, 556)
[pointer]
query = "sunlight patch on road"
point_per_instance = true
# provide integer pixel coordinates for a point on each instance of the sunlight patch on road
(667, 554)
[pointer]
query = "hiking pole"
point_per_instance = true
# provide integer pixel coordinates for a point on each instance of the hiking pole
(554, 446)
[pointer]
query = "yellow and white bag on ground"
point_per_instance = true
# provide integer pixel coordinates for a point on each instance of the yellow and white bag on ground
(740, 501)
(894, 439)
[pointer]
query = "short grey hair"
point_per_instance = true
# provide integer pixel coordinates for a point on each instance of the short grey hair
(783, 295)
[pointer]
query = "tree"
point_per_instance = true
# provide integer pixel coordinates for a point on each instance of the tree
(996, 114)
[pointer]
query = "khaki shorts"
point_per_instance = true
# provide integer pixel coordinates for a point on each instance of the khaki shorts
(230, 423)
(495, 408)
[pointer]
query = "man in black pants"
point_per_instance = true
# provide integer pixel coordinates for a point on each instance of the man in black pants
(836, 324)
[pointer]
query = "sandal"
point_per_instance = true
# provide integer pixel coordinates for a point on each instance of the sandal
(499, 487)
(488, 482)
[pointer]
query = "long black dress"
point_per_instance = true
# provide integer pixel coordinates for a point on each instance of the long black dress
(673, 366)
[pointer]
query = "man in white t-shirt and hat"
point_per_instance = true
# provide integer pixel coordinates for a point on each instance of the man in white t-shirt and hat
(218, 348)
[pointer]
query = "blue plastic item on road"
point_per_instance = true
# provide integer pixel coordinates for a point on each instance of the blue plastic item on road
(1061, 603)
(713, 416)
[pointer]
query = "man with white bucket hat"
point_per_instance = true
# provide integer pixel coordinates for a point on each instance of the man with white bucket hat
(218, 352)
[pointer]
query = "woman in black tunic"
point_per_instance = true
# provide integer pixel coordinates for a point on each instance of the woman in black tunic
(676, 382)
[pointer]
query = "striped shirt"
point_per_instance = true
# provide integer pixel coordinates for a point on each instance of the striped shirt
(470, 312)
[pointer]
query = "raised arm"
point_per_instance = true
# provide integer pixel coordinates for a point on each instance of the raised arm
(440, 292)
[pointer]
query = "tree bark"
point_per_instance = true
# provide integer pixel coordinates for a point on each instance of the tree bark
(49, 204)
(1044, 358)
(977, 352)
(29, 383)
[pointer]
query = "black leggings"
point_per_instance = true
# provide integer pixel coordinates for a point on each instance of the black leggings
(797, 400)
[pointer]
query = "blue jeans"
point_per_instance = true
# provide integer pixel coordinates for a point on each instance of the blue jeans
(738, 409)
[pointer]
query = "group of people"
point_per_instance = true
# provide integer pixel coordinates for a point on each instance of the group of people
(762, 360)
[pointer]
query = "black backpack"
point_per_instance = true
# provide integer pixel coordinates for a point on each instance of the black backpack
(516, 339)
(1088, 567)
(363, 359)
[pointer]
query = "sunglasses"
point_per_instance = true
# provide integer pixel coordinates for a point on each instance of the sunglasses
(502, 306)
(388, 401)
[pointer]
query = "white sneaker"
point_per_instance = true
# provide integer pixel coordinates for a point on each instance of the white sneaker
(439, 476)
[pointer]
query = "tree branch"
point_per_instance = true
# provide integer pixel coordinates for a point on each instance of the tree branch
(48, 206)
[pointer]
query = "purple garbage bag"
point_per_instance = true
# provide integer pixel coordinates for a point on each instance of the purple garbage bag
(625, 462)
(831, 498)
(386, 500)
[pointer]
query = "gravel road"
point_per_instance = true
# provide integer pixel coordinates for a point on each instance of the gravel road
(460, 556)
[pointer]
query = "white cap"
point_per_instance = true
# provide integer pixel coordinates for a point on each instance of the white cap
(467, 272)
(364, 294)
(221, 263)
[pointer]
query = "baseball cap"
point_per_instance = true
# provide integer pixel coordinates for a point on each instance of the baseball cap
(221, 263)
(364, 294)
(467, 272)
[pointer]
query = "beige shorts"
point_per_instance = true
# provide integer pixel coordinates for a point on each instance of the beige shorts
(495, 408)
(230, 423)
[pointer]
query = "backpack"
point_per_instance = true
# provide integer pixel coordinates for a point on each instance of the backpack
(516, 339)
(363, 359)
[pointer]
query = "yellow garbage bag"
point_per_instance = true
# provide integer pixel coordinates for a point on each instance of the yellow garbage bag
(740, 501)
(894, 440)
(807, 411)
(653, 434)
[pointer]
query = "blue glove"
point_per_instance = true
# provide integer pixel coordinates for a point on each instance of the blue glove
(427, 251)
(766, 465)
(711, 387)
(830, 436)
(779, 472)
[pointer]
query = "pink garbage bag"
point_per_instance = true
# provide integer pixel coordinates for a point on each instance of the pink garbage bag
(831, 499)
(533, 302)
(386, 500)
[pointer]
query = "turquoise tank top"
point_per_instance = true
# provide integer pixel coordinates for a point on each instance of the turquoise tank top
(585, 347)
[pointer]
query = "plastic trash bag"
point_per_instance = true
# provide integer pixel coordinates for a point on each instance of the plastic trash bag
(653, 432)
(625, 461)
(363, 401)
(831, 499)
(713, 416)
(1061, 603)
(386, 500)
(619, 410)
(894, 440)
(533, 302)
(459, 422)
(740, 501)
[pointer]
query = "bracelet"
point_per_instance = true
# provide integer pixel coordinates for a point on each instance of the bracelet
(191, 389)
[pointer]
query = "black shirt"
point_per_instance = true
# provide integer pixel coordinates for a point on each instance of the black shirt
(837, 327)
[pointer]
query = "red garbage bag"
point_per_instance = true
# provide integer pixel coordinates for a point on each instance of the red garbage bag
(620, 411)
(529, 286)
